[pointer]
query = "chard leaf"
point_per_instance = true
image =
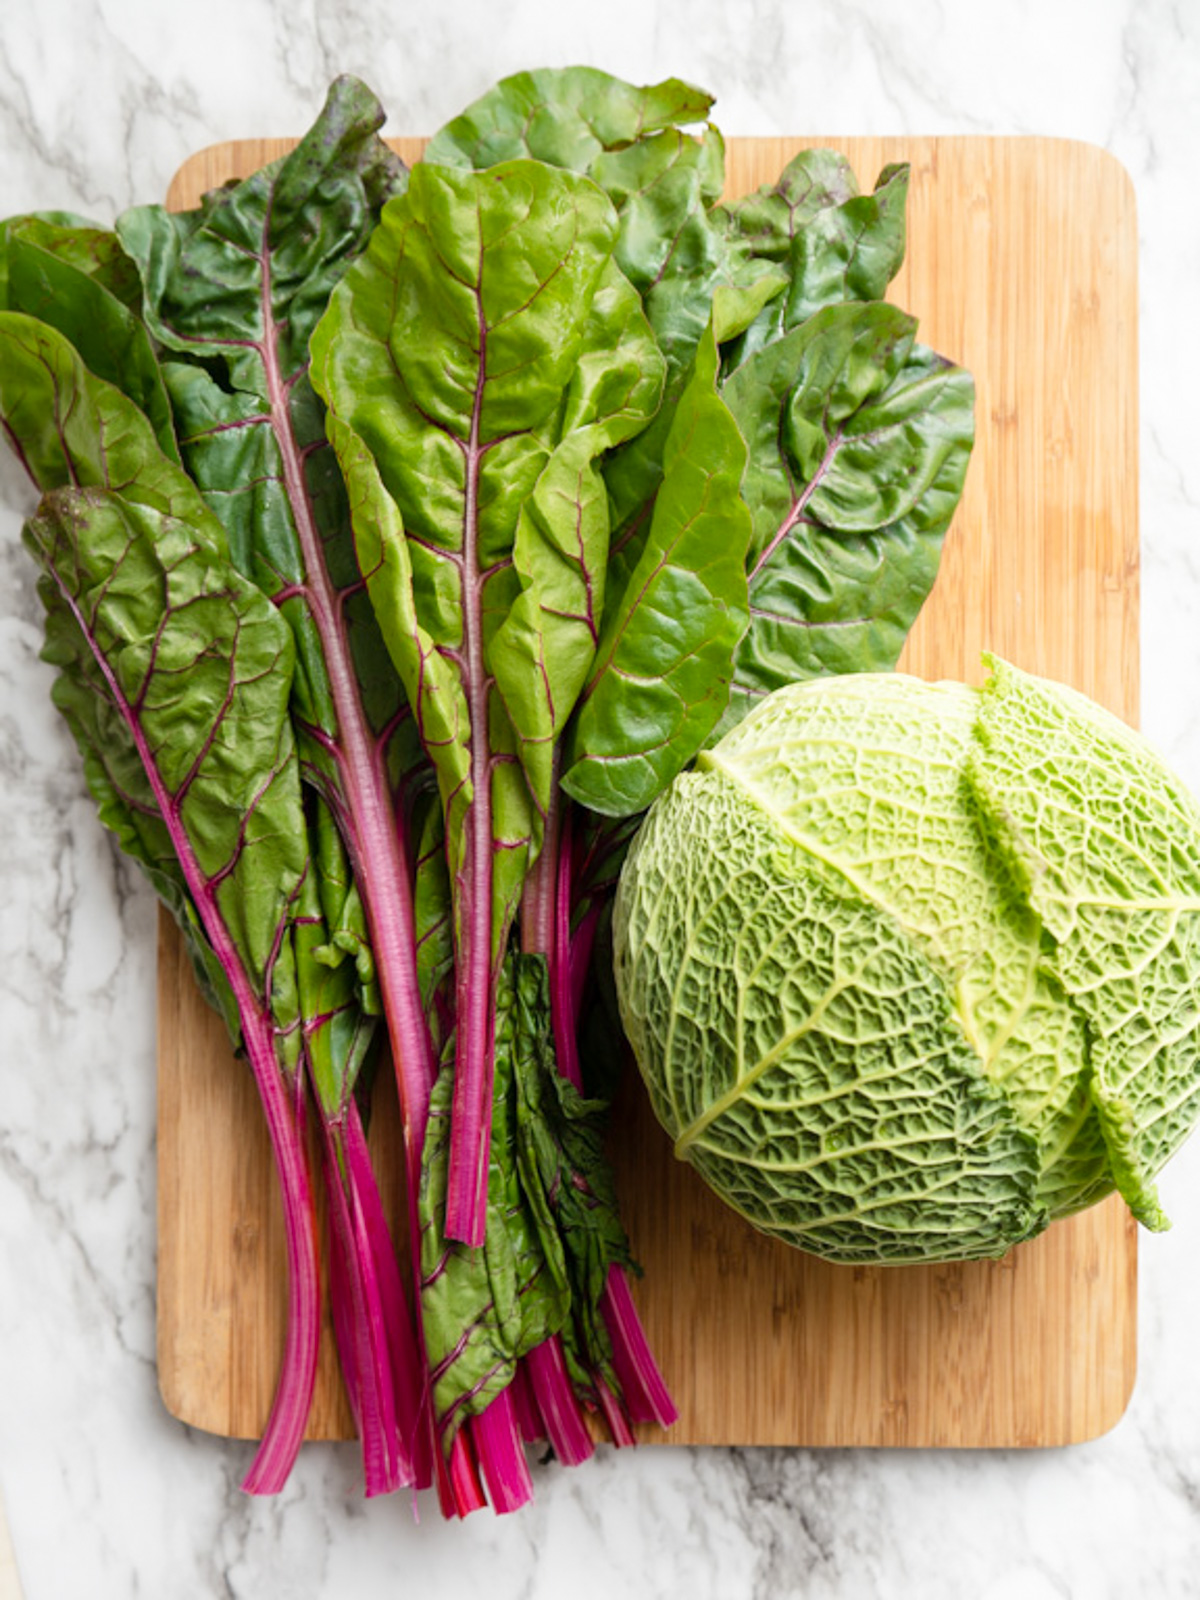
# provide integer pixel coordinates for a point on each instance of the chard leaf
(80, 281)
(234, 288)
(137, 605)
(680, 262)
(339, 987)
(850, 251)
(260, 256)
(475, 362)
(662, 671)
(663, 187)
(175, 677)
(566, 1177)
(79, 242)
(322, 991)
(836, 244)
(566, 117)
(767, 221)
(433, 918)
(484, 1308)
(553, 1230)
(664, 183)
(68, 428)
(858, 447)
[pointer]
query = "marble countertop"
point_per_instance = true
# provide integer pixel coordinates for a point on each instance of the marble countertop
(107, 1496)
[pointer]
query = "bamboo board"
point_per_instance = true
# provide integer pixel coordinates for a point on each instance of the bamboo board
(1021, 265)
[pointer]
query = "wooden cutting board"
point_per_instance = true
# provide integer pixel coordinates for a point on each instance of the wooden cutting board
(1021, 265)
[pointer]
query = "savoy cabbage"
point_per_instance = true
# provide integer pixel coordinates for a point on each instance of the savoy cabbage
(911, 969)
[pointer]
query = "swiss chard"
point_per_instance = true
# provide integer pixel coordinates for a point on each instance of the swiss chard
(174, 677)
(476, 361)
(820, 533)
(610, 458)
(858, 446)
(232, 293)
(834, 243)
(74, 431)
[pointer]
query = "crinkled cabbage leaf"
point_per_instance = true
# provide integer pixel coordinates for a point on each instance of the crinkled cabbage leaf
(911, 970)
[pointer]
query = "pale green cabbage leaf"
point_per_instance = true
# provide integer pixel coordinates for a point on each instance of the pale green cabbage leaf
(911, 970)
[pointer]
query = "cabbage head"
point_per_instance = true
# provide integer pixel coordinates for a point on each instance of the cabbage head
(911, 970)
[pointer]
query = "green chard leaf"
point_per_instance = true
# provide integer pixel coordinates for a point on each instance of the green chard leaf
(339, 989)
(135, 601)
(79, 435)
(680, 261)
(566, 1176)
(483, 1308)
(233, 290)
(858, 443)
(553, 1230)
(174, 676)
(767, 221)
(664, 183)
(69, 428)
(566, 117)
(836, 245)
(476, 361)
(86, 245)
(78, 280)
(322, 1001)
(72, 430)
(662, 671)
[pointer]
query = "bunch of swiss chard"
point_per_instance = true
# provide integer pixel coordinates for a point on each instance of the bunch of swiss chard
(403, 533)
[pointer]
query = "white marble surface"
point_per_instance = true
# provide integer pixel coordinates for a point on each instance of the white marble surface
(107, 1497)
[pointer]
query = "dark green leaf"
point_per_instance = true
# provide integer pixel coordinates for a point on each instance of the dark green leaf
(484, 1308)
(69, 428)
(859, 442)
(566, 117)
(476, 362)
(835, 244)
(663, 668)
(553, 1230)
(234, 289)
(174, 677)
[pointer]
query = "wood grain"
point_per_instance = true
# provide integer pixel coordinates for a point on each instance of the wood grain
(1022, 265)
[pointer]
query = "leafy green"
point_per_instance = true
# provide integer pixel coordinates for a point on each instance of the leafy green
(68, 428)
(661, 673)
(1100, 835)
(905, 966)
(233, 290)
(858, 442)
(664, 182)
(174, 677)
(73, 430)
(553, 1231)
(91, 433)
(836, 244)
(77, 279)
(476, 361)
(540, 465)
(566, 117)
